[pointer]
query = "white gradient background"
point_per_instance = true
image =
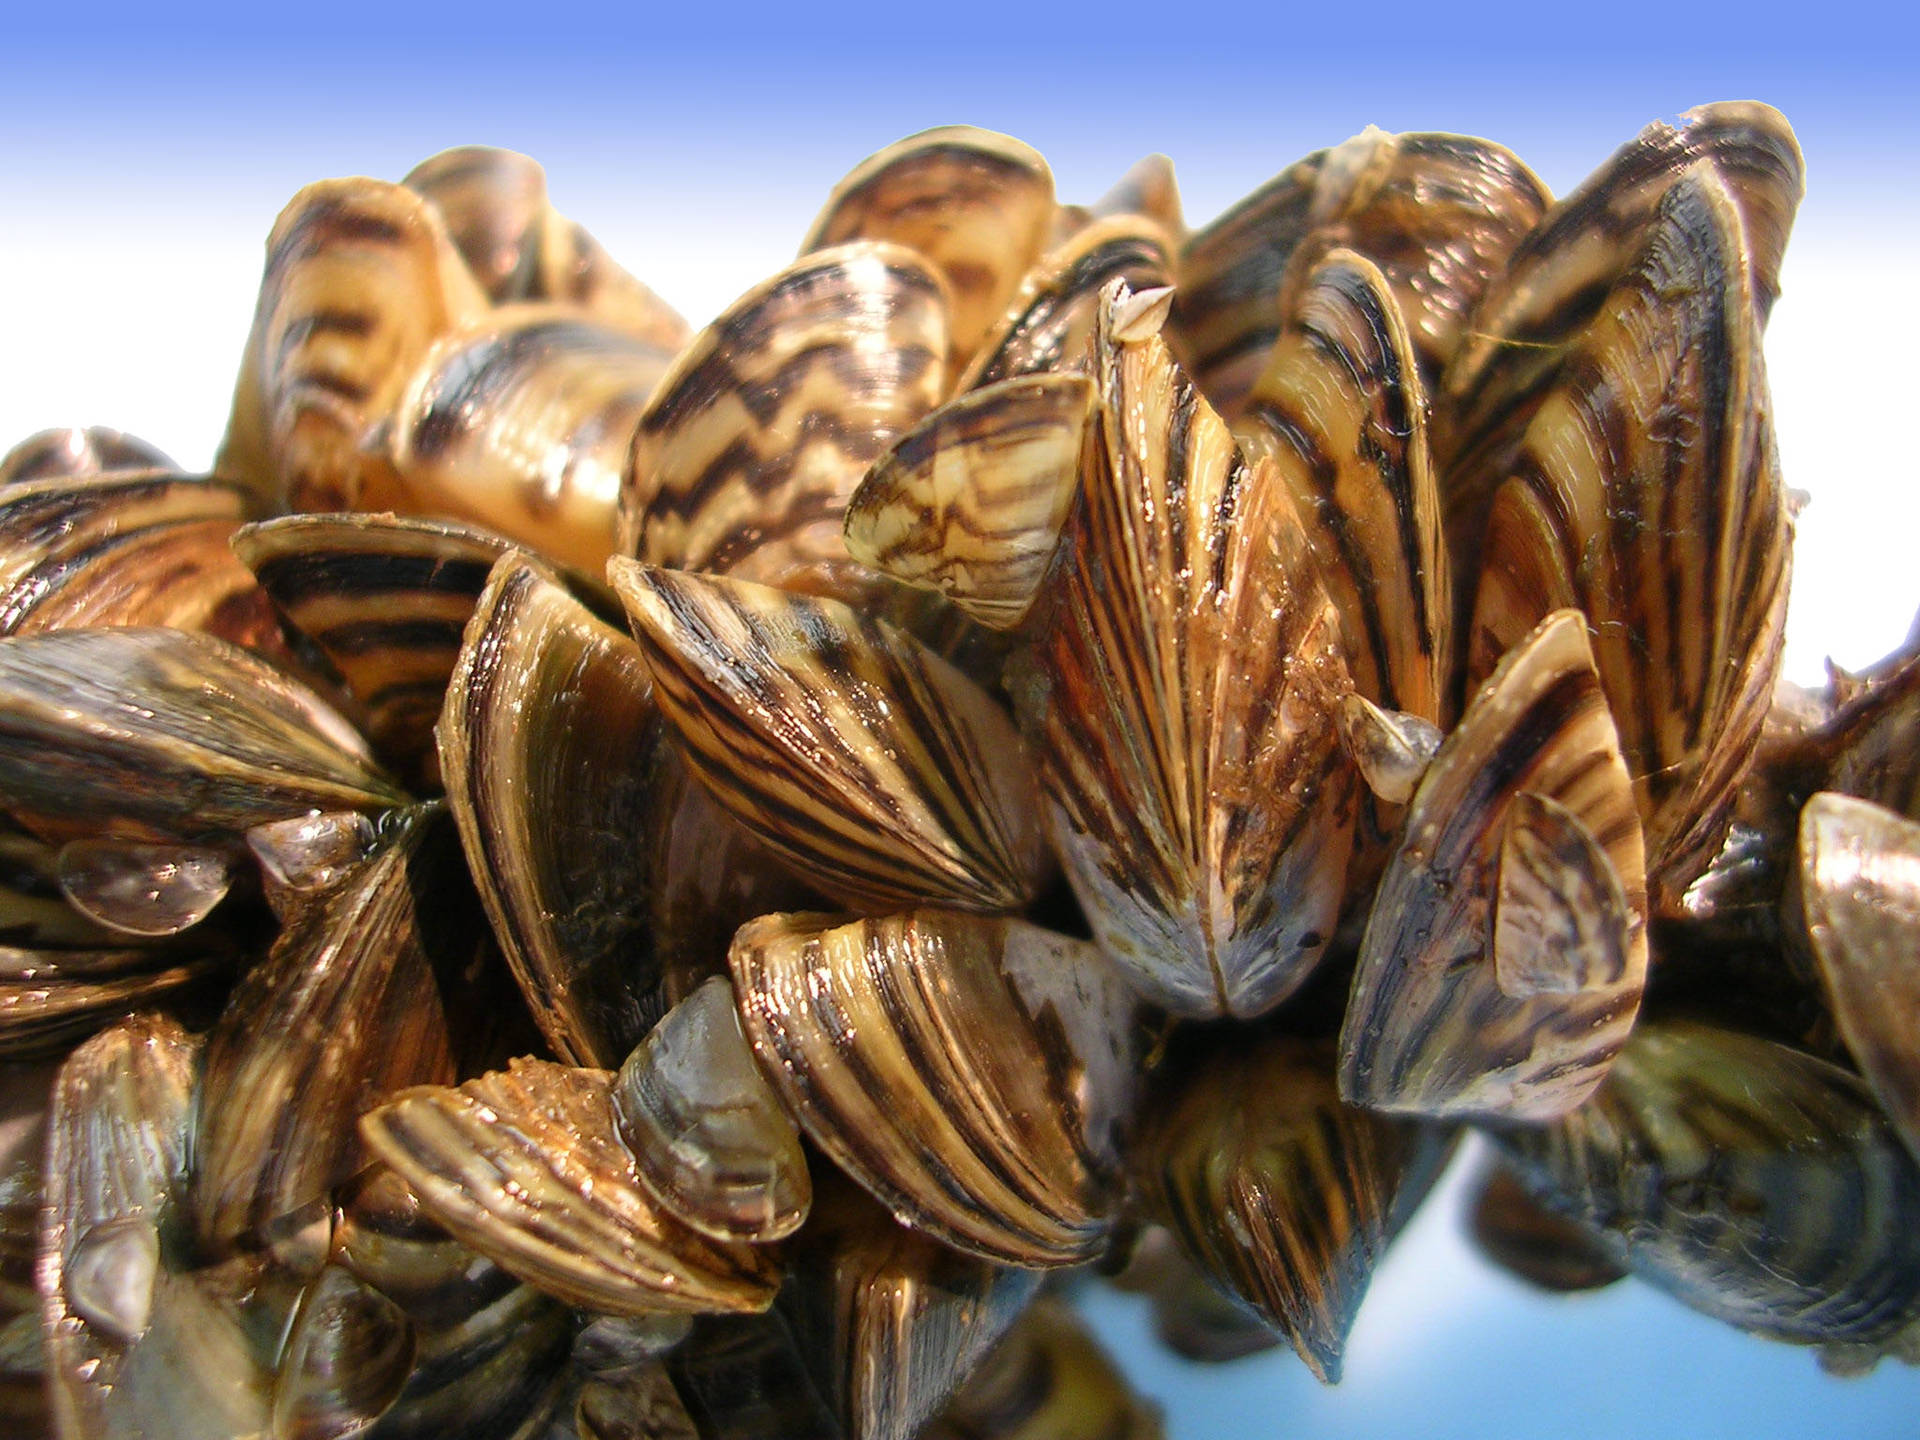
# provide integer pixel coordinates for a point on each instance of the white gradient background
(143, 160)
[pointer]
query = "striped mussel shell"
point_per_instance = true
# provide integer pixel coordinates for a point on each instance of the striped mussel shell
(1506, 950)
(1147, 189)
(976, 204)
(385, 599)
(74, 452)
(50, 999)
(888, 1322)
(1182, 693)
(970, 503)
(527, 1167)
(710, 1136)
(129, 548)
(1859, 893)
(1437, 214)
(521, 421)
(971, 1073)
(1283, 1194)
(1751, 1181)
(150, 734)
(548, 747)
(1048, 1380)
(348, 1354)
(1050, 320)
(747, 452)
(873, 769)
(1563, 274)
(495, 206)
(1646, 493)
(361, 278)
(344, 1011)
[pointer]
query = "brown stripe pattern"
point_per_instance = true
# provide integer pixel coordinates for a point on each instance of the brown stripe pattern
(360, 279)
(524, 1165)
(1563, 274)
(975, 203)
(890, 1322)
(129, 549)
(753, 442)
(1647, 495)
(1226, 313)
(1860, 892)
(519, 247)
(342, 1012)
(149, 734)
(1051, 318)
(871, 767)
(522, 423)
(1873, 739)
(1752, 1182)
(970, 502)
(1184, 696)
(1147, 190)
(1438, 214)
(1341, 409)
(968, 1072)
(1439, 1022)
(386, 599)
(1284, 1195)
(546, 749)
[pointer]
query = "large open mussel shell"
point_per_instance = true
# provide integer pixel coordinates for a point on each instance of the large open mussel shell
(386, 599)
(1285, 1195)
(1753, 1182)
(136, 1346)
(1565, 273)
(875, 770)
(1647, 494)
(971, 501)
(168, 734)
(526, 1166)
(1048, 1380)
(969, 1072)
(1182, 695)
(74, 452)
(522, 422)
(360, 280)
(1506, 952)
(751, 445)
(519, 247)
(1053, 314)
(137, 549)
(710, 1136)
(1860, 893)
(343, 1012)
(975, 203)
(546, 749)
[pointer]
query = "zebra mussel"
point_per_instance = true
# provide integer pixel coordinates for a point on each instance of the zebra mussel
(599, 879)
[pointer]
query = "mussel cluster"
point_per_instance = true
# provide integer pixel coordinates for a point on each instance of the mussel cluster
(592, 881)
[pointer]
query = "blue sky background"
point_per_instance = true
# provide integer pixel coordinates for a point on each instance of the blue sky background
(144, 157)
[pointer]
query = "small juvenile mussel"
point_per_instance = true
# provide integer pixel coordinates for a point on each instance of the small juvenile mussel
(595, 880)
